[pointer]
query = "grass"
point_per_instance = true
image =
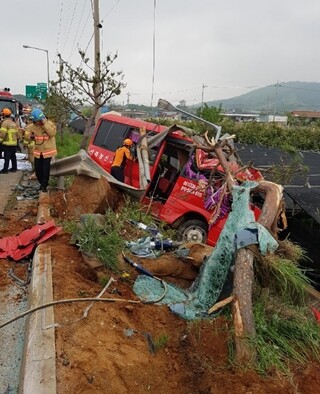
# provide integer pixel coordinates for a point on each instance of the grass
(280, 272)
(284, 335)
(105, 243)
(286, 331)
(68, 143)
(107, 240)
(161, 341)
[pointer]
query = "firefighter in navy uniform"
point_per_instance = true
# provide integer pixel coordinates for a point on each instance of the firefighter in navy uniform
(119, 161)
(9, 138)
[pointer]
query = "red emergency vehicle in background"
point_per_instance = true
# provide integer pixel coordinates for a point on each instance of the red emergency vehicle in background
(172, 194)
(8, 101)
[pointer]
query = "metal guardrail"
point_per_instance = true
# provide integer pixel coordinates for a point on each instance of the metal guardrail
(82, 164)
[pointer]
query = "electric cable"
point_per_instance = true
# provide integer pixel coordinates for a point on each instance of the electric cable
(77, 32)
(71, 23)
(59, 27)
(153, 50)
(67, 301)
(109, 12)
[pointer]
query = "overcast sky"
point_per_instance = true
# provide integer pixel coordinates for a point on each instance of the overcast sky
(230, 46)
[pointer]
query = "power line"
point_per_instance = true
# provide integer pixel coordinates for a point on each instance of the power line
(84, 26)
(153, 50)
(109, 12)
(78, 28)
(72, 17)
(59, 28)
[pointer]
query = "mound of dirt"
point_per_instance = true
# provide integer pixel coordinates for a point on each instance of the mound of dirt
(86, 195)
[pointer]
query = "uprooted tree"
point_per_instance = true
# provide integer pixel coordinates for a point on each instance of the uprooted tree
(86, 85)
(242, 308)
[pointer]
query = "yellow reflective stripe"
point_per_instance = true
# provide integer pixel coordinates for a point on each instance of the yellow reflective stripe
(10, 138)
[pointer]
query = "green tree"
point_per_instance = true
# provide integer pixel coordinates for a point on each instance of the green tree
(211, 114)
(84, 85)
(57, 109)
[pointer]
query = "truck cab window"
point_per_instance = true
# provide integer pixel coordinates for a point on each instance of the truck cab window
(110, 135)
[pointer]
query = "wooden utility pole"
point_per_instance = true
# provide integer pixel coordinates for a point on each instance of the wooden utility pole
(128, 98)
(202, 94)
(97, 56)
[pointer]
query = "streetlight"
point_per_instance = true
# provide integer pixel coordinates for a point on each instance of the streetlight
(164, 105)
(47, 52)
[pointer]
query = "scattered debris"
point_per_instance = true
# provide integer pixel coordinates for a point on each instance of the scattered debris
(21, 246)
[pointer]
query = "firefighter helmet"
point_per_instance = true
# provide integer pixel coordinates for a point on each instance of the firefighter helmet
(6, 112)
(36, 115)
(127, 142)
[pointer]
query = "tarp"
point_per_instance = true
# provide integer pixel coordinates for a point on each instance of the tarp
(205, 291)
(21, 246)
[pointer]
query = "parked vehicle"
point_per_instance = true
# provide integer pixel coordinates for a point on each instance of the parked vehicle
(174, 194)
(8, 101)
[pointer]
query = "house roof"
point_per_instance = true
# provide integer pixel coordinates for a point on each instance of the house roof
(306, 114)
(303, 188)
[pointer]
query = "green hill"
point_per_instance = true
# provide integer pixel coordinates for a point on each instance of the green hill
(23, 99)
(288, 96)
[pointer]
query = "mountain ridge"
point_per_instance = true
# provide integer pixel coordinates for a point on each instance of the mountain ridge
(280, 98)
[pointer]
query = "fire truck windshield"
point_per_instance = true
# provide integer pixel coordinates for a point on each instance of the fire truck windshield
(8, 103)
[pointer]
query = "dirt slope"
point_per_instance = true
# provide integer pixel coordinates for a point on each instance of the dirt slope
(135, 348)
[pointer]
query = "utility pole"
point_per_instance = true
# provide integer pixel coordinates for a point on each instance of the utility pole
(97, 57)
(203, 87)
(59, 124)
(128, 98)
(275, 100)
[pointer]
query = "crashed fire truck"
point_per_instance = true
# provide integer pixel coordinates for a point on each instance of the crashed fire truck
(183, 182)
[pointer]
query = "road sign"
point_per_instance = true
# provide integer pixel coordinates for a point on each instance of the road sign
(38, 91)
(31, 91)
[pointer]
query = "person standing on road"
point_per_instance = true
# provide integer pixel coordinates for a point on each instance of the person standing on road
(119, 161)
(42, 131)
(9, 137)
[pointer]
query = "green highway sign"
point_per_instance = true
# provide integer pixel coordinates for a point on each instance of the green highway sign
(31, 91)
(38, 91)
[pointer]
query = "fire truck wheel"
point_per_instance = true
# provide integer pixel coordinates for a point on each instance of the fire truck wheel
(193, 231)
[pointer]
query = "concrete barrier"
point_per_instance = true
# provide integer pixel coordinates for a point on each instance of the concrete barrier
(38, 369)
(38, 373)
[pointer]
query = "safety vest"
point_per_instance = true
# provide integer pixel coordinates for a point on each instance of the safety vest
(9, 133)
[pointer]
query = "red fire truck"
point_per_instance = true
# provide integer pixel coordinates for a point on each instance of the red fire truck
(8, 101)
(174, 194)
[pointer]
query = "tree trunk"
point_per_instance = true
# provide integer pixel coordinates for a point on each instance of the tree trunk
(242, 311)
(88, 131)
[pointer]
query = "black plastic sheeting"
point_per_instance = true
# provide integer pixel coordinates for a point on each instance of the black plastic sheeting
(304, 188)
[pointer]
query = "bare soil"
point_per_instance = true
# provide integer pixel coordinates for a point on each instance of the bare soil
(123, 347)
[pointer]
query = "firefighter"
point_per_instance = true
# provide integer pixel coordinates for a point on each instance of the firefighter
(29, 145)
(9, 137)
(119, 161)
(42, 131)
